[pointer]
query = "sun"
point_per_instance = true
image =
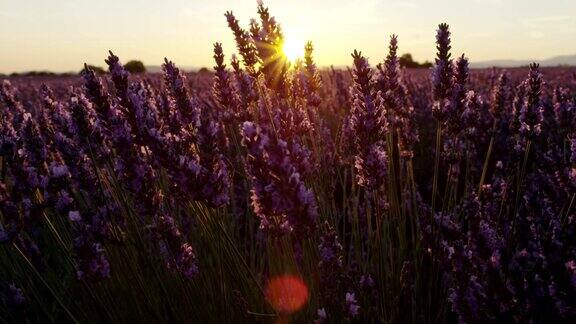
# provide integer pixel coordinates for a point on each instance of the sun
(293, 49)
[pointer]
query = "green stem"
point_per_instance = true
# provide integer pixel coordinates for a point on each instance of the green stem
(45, 284)
(436, 165)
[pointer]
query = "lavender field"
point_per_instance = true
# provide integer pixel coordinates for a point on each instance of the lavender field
(275, 191)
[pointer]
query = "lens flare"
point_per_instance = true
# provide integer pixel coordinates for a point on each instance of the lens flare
(286, 294)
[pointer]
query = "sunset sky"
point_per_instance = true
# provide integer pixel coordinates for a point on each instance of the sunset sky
(59, 35)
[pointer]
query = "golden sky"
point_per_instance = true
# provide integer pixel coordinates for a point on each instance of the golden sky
(60, 35)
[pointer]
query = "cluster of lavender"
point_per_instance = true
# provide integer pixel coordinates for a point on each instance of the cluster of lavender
(341, 165)
(280, 116)
(507, 244)
(58, 159)
(13, 297)
(337, 285)
(368, 126)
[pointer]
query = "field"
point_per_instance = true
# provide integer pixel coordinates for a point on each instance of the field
(277, 191)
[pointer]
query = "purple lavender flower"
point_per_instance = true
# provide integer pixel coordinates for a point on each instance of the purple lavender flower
(97, 94)
(322, 316)
(280, 198)
(442, 73)
(313, 78)
(8, 136)
(368, 126)
(400, 112)
(14, 112)
(564, 110)
(12, 222)
(371, 166)
(500, 97)
(459, 92)
(15, 301)
(353, 308)
(119, 77)
(224, 93)
(211, 142)
(91, 261)
(471, 120)
(332, 275)
(531, 110)
(178, 254)
(188, 107)
(268, 40)
(192, 157)
(246, 47)
(330, 250)
(85, 129)
(245, 84)
(342, 91)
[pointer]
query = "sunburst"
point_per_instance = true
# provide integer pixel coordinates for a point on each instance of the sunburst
(293, 49)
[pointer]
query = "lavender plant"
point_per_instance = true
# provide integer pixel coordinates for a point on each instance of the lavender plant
(371, 194)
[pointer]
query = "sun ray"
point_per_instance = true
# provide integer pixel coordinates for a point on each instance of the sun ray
(293, 49)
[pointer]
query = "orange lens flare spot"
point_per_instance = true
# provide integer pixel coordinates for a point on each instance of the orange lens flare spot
(287, 294)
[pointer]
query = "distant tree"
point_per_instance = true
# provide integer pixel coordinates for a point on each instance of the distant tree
(135, 66)
(407, 61)
(426, 65)
(203, 70)
(38, 73)
(96, 69)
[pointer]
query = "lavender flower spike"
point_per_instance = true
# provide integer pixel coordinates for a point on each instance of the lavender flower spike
(280, 198)
(442, 73)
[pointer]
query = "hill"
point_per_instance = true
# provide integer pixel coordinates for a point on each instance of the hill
(554, 61)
